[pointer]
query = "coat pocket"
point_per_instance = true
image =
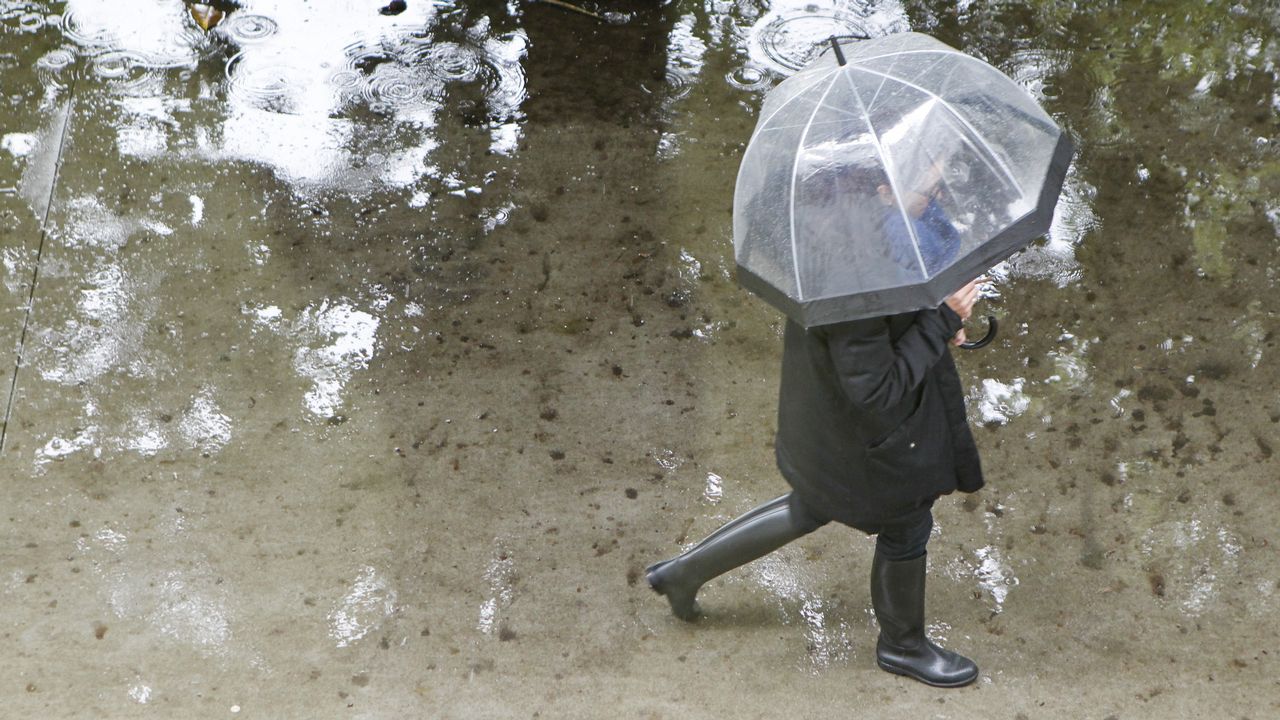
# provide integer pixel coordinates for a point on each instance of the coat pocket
(919, 449)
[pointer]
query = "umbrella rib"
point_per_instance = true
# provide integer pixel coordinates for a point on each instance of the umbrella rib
(893, 185)
(795, 170)
(976, 136)
(842, 121)
(951, 53)
(857, 60)
(886, 76)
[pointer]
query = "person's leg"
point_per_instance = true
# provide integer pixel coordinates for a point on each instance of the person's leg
(907, 541)
(897, 593)
(747, 537)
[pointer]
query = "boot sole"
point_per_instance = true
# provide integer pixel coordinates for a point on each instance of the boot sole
(906, 673)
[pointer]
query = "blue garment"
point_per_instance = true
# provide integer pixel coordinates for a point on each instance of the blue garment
(939, 239)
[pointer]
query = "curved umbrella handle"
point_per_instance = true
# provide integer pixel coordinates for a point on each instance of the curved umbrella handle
(992, 327)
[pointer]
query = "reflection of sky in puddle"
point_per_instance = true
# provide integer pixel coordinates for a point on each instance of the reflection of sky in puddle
(998, 402)
(829, 637)
(203, 425)
(19, 144)
(989, 569)
(1055, 258)
(139, 693)
(714, 491)
(307, 93)
(1194, 560)
(105, 340)
(334, 341)
(667, 459)
(685, 51)
(345, 340)
(501, 574)
(993, 574)
(1251, 332)
(1069, 364)
(367, 604)
(179, 594)
(107, 334)
(786, 37)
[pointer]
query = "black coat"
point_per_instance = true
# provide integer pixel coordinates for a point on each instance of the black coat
(871, 419)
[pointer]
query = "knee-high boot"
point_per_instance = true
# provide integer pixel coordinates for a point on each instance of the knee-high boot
(751, 535)
(897, 594)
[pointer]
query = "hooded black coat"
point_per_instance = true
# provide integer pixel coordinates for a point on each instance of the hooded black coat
(871, 419)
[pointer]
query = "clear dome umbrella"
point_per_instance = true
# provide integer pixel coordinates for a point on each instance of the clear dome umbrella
(887, 174)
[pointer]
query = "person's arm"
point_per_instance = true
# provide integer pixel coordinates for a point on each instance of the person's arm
(878, 373)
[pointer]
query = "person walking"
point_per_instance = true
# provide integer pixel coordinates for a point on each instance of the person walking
(871, 432)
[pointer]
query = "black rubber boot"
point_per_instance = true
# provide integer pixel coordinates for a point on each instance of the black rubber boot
(897, 593)
(752, 535)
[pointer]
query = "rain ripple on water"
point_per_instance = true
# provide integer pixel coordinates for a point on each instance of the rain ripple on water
(241, 28)
(326, 76)
(792, 33)
(789, 39)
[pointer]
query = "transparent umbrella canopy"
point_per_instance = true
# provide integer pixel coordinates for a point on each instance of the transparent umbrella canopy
(887, 174)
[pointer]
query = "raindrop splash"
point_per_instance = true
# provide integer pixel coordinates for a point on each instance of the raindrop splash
(786, 40)
(749, 77)
(248, 28)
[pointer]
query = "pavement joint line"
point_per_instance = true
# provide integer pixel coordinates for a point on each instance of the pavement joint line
(35, 273)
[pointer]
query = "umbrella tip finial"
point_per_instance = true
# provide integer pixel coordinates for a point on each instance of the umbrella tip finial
(835, 45)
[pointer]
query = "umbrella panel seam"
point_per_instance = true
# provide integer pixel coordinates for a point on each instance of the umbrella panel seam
(965, 123)
(795, 168)
(813, 124)
(760, 127)
(889, 175)
(955, 53)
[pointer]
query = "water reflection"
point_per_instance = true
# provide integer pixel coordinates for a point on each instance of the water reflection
(685, 60)
(501, 576)
(19, 144)
(337, 340)
(140, 693)
(179, 595)
(1071, 368)
(1073, 220)
(792, 32)
(307, 95)
(829, 637)
(993, 574)
(1192, 559)
(713, 493)
(368, 602)
(995, 402)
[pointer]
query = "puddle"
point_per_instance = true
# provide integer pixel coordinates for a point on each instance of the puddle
(338, 340)
(178, 595)
(830, 637)
(140, 693)
(1194, 561)
(997, 403)
(311, 97)
(501, 576)
(792, 32)
(367, 604)
(714, 491)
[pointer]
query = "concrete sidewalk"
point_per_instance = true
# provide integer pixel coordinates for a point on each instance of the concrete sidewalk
(298, 447)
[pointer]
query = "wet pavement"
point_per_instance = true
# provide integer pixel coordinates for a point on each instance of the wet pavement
(359, 363)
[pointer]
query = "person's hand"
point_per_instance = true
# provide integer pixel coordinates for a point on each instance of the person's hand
(962, 300)
(959, 339)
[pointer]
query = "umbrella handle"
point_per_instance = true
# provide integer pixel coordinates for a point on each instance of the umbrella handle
(992, 327)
